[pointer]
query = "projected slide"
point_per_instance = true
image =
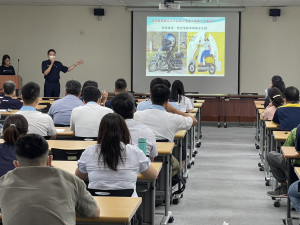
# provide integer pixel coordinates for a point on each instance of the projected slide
(185, 46)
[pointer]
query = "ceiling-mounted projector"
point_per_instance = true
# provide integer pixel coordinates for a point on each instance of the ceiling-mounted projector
(169, 5)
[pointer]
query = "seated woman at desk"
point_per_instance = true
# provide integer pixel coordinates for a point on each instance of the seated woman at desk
(14, 127)
(113, 163)
(178, 95)
(276, 100)
(6, 68)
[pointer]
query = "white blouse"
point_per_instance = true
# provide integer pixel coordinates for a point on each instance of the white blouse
(103, 178)
(185, 104)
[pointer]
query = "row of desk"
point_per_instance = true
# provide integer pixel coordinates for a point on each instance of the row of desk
(270, 138)
(164, 189)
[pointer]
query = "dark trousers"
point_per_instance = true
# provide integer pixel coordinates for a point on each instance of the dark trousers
(51, 89)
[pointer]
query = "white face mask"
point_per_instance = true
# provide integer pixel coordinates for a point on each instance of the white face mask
(51, 57)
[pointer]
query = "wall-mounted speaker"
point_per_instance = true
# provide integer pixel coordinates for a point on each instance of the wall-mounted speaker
(98, 12)
(274, 12)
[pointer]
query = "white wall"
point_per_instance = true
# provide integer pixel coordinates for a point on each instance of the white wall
(267, 47)
(75, 33)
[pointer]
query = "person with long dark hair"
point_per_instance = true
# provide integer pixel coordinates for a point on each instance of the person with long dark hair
(14, 127)
(113, 163)
(178, 95)
(6, 68)
(276, 100)
(275, 82)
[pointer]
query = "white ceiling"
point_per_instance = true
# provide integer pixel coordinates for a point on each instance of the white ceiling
(146, 3)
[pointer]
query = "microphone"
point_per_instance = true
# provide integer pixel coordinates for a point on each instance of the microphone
(18, 66)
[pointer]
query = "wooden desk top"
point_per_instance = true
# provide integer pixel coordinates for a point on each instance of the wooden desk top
(64, 131)
(70, 166)
(259, 102)
(281, 135)
(114, 209)
(199, 101)
(39, 107)
(69, 144)
(297, 171)
(271, 126)
(180, 134)
(6, 113)
(195, 110)
(198, 105)
(165, 148)
(192, 114)
(290, 152)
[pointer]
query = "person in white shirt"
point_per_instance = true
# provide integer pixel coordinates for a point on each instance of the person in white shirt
(163, 124)
(178, 95)
(39, 123)
(85, 119)
(123, 104)
(113, 163)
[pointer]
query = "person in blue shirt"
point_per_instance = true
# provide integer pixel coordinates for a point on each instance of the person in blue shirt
(147, 104)
(51, 69)
(14, 127)
(8, 101)
(287, 117)
(61, 109)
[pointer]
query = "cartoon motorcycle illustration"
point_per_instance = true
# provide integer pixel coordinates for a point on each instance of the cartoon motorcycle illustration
(164, 59)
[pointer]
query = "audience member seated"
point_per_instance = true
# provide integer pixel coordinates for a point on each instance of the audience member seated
(287, 117)
(113, 163)
(36, 193)
(14, 127)
(123, 104)
(163, 124)
(279, 168)
(39, 123)
(178, 96)
(293, 192)
(61, 109)
(120, 87)
(276, 100)
(147, 104)
(88, 83)
(8, 101)
(276, 82)
(85, 119)
(91, 83)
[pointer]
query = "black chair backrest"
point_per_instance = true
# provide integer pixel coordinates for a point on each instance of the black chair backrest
(66, 155)
(113, 193)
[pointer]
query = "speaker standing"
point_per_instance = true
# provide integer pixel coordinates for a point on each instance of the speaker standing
(51, 70)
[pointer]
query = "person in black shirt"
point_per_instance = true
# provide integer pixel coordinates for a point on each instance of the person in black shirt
(6, 68)
(8, 102)
(51, 70)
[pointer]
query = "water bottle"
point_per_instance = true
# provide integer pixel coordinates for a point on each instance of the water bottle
(142, 145)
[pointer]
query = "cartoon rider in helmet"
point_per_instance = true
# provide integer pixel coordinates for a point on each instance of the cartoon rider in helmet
(206, 46)
(169, 44)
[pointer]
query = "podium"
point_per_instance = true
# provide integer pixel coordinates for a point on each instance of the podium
(14, 78)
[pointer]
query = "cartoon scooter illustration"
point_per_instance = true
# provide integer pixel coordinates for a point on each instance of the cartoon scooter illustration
(202, 48)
